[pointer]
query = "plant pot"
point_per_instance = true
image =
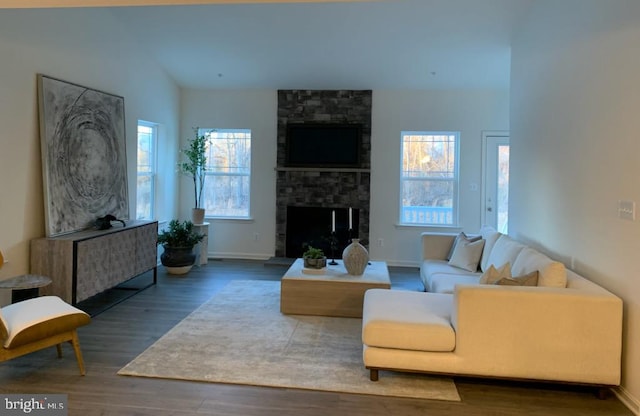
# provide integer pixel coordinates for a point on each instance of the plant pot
(177, 260)
(197, 215)
(315, 263)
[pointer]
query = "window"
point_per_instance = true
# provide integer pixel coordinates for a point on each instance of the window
(429, 178)
(227, 186)
(145, 191)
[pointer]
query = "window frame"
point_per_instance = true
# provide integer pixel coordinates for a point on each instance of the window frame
(209, 172)
(454, 180)
(153, 165)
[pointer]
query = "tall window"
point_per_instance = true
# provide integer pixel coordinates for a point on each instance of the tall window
(227, 186)
(145, 193)
(429, 178)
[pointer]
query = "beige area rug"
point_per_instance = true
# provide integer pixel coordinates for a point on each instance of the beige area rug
(240, 337)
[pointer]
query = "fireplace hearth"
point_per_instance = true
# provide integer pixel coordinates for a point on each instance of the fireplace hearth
(313, 226)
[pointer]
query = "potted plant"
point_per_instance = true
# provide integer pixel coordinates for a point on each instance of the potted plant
(314, 258)
(194, 165)
(178, 240)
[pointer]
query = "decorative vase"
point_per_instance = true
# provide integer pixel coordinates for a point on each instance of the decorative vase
(355, 257)
(177, 260)
(197, 215)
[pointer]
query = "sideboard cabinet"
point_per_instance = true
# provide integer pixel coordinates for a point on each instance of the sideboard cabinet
(85, 263)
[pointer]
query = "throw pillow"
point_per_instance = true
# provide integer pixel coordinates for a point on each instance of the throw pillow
(461, 237)
(492, 275)
(466, 254)
(530, 279)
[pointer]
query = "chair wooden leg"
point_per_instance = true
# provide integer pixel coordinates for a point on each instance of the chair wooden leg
(373, 375)
(76, 347)
(59, 349)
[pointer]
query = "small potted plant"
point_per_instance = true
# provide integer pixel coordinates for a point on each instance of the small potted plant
(178, 240)
(194, 165)
(314, 258)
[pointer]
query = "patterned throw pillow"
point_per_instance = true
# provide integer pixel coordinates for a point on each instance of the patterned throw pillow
(530, 279)
(492, 275)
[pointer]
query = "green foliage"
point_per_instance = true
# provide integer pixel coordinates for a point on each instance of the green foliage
(194, 164)
(313, 253)
(179, 234)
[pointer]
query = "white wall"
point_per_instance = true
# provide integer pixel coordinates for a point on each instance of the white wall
(231, 109)
(468, 111)
(86, 47)
(575, 152)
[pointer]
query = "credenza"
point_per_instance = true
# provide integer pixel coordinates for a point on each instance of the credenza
(85, 263)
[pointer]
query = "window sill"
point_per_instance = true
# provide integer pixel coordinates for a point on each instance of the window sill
(229, 219)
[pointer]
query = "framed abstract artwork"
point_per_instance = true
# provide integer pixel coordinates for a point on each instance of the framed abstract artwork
(84, 164)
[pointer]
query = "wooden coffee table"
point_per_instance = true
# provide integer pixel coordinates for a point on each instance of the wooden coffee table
(331, 292)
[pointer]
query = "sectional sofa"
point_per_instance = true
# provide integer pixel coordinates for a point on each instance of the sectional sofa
(514, 313)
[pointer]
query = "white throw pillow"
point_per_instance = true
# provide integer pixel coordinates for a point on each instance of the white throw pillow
(490, 236)
(505, 251)
(466, 255)
(461, 237)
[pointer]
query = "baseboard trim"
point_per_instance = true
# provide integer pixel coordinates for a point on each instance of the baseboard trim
(238, 256)
(627, 399)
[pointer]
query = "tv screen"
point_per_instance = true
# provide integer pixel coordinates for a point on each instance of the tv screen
(323, 145)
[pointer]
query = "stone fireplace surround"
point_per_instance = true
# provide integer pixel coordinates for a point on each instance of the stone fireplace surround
(338, 188)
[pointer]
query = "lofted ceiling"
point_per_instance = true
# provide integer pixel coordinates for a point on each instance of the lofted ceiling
(386, 44)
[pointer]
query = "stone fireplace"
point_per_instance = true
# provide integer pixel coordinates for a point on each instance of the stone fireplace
(315, 192)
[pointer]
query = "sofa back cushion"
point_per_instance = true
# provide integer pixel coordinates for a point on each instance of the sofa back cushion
(490, 236)
(551, 273)
(504, 251)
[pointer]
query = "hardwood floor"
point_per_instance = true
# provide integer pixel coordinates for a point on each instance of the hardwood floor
(120, 333)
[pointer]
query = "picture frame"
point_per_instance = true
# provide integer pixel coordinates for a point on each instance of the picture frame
(83, 146)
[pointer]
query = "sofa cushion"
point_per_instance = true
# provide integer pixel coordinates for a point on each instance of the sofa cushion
(408, 320)
(466, 254)
(446, 283)
(492, 275)
(505, 250)
(490, 236)
(461, 237)
(551, 273)
(431, 268)
(530, 279)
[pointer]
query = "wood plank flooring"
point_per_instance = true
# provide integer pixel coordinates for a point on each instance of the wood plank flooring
(120, 333)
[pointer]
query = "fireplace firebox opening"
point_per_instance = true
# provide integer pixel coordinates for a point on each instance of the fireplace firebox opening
(313, 226)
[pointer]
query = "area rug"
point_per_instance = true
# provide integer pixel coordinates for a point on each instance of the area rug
(240, 337)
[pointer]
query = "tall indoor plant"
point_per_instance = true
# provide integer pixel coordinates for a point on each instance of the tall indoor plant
(194, 165)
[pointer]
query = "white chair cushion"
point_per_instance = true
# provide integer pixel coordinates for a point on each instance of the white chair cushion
(40, 318)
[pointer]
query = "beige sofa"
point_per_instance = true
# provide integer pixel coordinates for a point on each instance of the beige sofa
(461, 327)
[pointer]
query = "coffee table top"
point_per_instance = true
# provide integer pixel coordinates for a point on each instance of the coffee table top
(376, 272)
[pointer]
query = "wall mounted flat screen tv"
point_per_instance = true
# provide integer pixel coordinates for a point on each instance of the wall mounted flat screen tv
(323, 145)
